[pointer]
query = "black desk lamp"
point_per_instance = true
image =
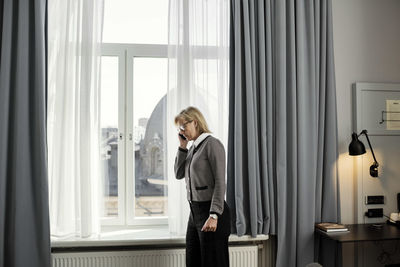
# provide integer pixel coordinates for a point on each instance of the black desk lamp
(356, 148)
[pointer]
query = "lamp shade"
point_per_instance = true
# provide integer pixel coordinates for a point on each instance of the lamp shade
(356, 147)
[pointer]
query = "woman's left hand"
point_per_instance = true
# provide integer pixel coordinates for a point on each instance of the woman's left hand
(210, 225)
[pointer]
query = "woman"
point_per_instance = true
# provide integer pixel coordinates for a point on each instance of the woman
(203, 167)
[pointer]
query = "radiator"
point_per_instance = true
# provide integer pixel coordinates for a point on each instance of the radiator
(239, 256)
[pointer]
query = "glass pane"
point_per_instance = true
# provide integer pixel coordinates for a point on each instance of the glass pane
(109, 133)
(149, 90)
(136, 21)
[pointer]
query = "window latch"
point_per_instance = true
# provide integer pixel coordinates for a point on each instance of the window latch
(121, 136)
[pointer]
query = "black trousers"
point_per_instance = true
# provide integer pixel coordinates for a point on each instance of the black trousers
(207, 249)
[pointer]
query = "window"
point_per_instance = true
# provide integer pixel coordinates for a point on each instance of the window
(133, 89)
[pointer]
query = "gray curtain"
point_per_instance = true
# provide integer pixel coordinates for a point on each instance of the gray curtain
(24, 219)
(282, 147)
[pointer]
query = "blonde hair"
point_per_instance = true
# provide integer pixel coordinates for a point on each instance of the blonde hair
(193, 114)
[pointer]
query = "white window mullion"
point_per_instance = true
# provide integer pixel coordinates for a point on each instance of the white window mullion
(130, 149)
(115, 51)
(122, 141)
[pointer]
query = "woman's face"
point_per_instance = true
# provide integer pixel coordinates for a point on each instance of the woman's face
(188, 129)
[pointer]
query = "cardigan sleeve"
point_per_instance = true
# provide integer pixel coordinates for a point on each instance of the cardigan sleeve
(216, 156)
(180, 160)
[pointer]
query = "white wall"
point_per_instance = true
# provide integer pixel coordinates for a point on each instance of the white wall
(367, 49)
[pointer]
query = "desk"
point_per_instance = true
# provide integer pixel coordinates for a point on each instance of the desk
(360, 233)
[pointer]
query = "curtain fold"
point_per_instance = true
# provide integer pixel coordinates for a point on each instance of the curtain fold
(75, 33)
(24, 217)
(282, 123)
(198, 56)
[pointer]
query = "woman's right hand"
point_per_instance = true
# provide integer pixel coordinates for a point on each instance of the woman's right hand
(183, 142)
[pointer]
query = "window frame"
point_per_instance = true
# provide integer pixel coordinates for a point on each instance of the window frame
(126, 185)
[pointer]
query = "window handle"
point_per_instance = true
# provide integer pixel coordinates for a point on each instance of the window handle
(121, 136)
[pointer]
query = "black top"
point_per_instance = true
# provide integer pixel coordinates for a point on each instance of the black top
(364, 232)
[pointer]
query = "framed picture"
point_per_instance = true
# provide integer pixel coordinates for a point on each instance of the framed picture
(377, 108)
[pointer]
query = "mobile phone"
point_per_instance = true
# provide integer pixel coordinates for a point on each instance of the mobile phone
(182, 136)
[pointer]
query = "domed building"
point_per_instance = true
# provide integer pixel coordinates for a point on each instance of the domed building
(149, 155)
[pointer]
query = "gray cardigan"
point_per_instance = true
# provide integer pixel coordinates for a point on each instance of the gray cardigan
(204, 170)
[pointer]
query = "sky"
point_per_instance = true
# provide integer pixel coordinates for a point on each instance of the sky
(141, 22)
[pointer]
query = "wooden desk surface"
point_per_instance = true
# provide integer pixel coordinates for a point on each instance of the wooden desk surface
(364, 232)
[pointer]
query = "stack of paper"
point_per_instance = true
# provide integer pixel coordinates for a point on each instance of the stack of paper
(331, 227)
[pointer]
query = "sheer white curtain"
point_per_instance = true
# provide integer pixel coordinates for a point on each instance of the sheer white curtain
(198, 76)
(74, 38)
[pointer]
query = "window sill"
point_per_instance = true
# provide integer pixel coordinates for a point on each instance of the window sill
(136, 238)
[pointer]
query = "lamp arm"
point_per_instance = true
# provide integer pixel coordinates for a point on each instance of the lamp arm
(369, 143)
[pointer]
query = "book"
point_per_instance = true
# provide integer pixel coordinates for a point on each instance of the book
(331, 227)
